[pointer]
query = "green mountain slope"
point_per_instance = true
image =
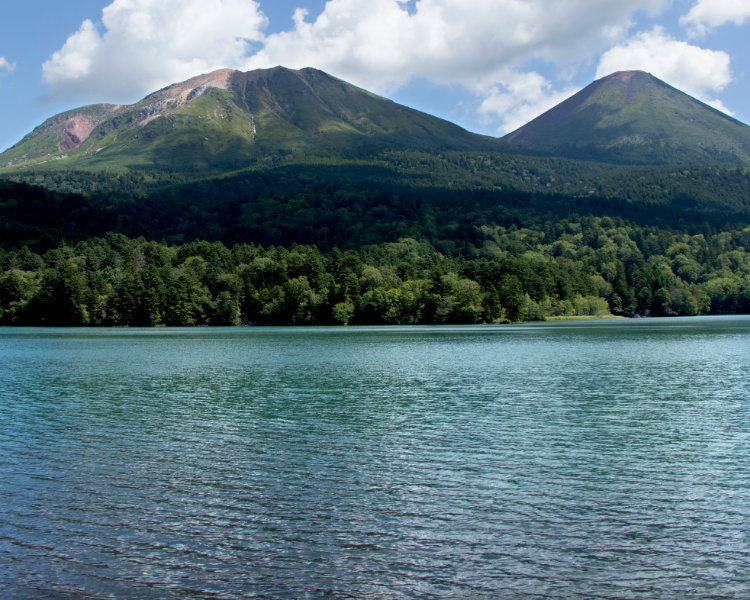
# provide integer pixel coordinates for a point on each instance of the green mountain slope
(633, 117)
(229, 120)
(281, 156)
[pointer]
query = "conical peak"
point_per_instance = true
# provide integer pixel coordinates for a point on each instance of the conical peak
(216, 79)
(634, 117)
(625, 76)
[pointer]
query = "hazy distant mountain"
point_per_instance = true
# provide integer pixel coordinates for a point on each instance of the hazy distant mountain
(633, 117)
(229, 120)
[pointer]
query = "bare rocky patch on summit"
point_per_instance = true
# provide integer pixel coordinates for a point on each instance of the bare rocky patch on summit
(75, 131)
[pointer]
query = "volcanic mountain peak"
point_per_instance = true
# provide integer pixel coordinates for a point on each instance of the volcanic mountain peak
(68, 131)
(625, 76)
(228, 120)
(182, 91)
(633, 117)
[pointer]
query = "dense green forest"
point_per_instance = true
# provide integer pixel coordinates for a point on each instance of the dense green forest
(314, 244)
(350, 206)
(589, 266)
(724, 186)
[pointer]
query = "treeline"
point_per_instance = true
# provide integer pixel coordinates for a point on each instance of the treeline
(704, 185)
(707, 185)
(590, 266)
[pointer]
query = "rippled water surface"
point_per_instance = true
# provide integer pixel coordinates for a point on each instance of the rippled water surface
(571, 460)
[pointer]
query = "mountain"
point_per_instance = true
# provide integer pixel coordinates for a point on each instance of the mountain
(278, 156)
(632, 117)
(281, 196)
(229, 120)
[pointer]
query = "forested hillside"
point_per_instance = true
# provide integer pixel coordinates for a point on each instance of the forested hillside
(291, 197)
(446, 200)
(565, 268)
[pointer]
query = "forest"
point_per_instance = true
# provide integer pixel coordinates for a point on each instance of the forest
(421, 239)
(351, 206)
(585, 267)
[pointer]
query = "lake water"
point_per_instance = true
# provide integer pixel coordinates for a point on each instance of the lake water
(605, 459)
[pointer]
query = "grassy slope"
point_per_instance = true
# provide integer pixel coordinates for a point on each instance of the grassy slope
(263, 117)
(636, 118)
(41, 145)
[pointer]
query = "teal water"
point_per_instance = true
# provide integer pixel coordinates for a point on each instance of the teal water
(604, 459)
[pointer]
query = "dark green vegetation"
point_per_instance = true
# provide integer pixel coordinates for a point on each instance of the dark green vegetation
(586, 267)
(321, 203)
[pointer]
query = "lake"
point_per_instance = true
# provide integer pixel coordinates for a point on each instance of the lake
(602, 459)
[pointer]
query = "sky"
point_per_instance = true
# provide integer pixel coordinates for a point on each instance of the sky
(488, 65)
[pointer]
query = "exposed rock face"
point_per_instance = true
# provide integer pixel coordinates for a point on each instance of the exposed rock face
(176, 95)
(75, 131)
(181, 93)
(624, 76)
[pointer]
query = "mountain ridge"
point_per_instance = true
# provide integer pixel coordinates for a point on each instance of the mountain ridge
(277, 111)
(229, 120)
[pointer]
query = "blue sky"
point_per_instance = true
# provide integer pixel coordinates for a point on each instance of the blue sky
(488, 65)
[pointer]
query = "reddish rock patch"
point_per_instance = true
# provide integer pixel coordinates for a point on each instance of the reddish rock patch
(75, 131)
(624, 76)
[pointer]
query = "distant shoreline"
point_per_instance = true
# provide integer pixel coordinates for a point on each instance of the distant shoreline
(585, 317)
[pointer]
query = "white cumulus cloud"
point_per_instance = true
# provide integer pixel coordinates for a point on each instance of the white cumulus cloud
(5, 65)
(707, 14)
(521, 98)
(698, 71)
(146, 44)
(382, 44)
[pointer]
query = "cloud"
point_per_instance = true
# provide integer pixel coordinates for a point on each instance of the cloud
(698, 71)
(383, 44)
(146, 44)
(5, 65)
(707, 14)
(521, 98)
